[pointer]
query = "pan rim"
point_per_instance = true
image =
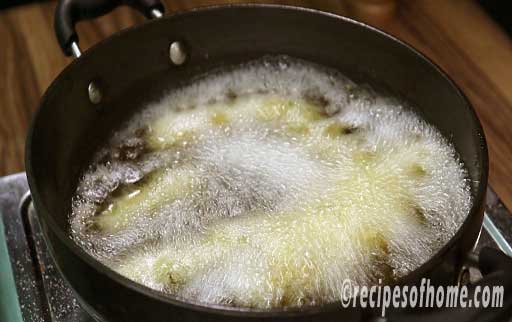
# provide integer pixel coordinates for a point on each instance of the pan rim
(477, 202)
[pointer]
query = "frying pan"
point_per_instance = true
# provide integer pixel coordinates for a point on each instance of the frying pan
(112, 80)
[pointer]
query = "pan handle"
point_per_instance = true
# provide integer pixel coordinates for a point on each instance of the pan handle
(69, 12)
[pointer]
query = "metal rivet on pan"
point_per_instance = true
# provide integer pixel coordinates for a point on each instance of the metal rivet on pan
(94, 93)
(177, 53)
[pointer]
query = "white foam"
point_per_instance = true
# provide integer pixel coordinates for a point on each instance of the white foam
(267, 185)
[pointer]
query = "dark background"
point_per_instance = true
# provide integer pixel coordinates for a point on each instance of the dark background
(499, 10)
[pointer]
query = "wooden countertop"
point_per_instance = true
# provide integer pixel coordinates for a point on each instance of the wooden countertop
(456, 34)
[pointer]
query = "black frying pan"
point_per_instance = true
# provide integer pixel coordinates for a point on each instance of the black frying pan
(110, 81)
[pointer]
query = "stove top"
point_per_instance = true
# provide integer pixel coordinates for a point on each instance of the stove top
(32, 289)
(42, 294)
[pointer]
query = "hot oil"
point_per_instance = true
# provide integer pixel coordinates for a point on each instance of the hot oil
(267, 185)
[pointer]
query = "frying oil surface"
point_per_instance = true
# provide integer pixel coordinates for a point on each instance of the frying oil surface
(266, 186)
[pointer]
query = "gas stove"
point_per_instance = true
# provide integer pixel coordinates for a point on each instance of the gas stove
(32, 289)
